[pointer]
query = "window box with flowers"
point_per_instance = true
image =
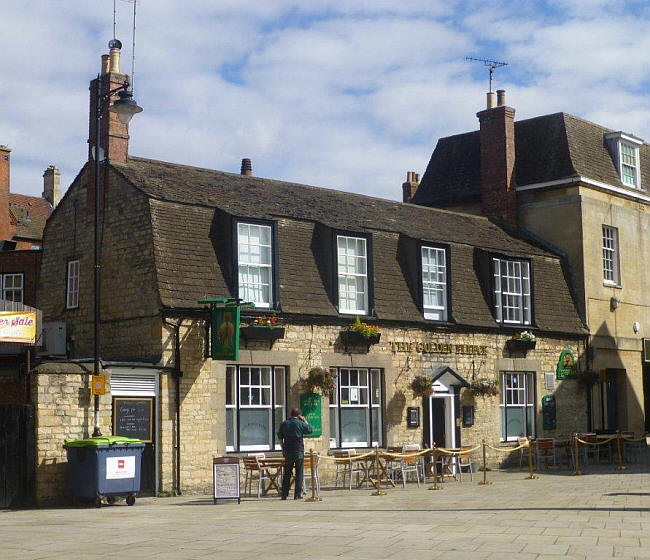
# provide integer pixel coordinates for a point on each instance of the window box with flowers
(262, 328)
(521, 342)
(360, 334)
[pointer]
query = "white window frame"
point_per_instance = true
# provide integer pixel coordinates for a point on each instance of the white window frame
(247, 290)
(346, 277)
(434, 280)
(373, 405)
(276, 406)
(632, 168)
(512, 283)
(611, 259)
(72, 285)
(4, 290)
(521, 397)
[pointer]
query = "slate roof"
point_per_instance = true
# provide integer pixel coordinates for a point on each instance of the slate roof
(30, 214)
(547, 148)
(189, 207)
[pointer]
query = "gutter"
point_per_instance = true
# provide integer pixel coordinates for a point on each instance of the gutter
(176, 370)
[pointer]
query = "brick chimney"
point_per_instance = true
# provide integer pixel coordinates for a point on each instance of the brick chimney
(498, 160)
(5, 222)
(114, 140)
(246, 167)
(52, 185)
(410, 186)
(114, 136)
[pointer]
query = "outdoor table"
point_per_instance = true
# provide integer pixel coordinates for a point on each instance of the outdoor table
(272, 467)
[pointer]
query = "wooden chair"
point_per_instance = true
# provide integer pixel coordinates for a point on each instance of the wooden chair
(545, 450)
(254, 471)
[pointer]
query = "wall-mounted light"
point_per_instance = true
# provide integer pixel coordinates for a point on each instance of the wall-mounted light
(636, 327)
(613, 303)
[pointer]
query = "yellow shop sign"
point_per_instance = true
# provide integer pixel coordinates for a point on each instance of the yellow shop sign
(18, 326)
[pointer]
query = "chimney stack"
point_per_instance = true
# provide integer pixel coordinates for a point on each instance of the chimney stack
(52, 185)
(410, 186)
(246, 167)
(497, 137)
(114, 135)
(5, 222)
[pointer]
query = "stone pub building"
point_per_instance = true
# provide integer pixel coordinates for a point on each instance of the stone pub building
(448, 292)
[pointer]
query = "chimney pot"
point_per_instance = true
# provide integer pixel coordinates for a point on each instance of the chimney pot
(410, 186)
(490, 99)
(501, 97)
(104, 64)
(114, 56)
(246, 167)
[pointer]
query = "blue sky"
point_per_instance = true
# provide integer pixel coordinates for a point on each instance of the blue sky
(335, 93)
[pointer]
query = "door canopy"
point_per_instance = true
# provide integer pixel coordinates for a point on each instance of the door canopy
(445, 377)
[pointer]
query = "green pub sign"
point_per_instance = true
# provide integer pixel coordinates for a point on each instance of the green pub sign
(311, 405)
(225, 333)
(567, 365)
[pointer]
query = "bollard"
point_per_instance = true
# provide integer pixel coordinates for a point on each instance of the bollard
(435, 474)
(576, 454)
(314, 497)
(377, 484)
(485, 482)
(530, 476)
(621, 466)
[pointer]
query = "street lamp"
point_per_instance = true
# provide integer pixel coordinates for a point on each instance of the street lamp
(125, 107)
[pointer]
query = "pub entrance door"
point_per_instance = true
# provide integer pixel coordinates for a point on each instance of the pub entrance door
(135, 415)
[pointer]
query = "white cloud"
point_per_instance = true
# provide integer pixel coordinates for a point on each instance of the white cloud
(329, 92)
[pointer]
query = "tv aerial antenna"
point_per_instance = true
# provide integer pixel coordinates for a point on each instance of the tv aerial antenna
(491, 64)
(135, 5)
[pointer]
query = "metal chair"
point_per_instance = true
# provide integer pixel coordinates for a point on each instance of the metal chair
(411, 464)
(524, 451)
(253, 470)
(347, 468)
(464, 461)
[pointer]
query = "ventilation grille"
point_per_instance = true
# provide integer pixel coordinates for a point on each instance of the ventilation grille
(143, 385)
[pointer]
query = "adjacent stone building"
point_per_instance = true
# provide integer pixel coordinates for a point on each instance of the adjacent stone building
(449, 292)
(583, 189)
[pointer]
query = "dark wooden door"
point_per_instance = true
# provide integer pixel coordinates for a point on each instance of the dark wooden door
(16, 455)
(438, 422)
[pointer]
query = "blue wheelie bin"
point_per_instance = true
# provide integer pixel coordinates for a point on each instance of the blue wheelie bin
(104, 467)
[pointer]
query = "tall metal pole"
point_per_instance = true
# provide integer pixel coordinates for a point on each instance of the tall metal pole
(97, 432)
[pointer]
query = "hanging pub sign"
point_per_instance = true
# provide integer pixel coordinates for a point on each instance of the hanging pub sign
(225, 314)
(567, 365)
(18, 326)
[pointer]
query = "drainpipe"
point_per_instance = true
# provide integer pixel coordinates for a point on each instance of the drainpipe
(177, 373)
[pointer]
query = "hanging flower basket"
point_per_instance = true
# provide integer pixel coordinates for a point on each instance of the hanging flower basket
(484, 388)
(319, 380)
(421, 386)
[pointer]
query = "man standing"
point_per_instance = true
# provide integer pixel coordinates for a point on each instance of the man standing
(290, 435)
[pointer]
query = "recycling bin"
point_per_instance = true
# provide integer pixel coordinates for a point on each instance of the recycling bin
(104, 467)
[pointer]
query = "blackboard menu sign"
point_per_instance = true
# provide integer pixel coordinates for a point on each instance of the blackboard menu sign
(311, 405)
(225, 479)
(133, 417)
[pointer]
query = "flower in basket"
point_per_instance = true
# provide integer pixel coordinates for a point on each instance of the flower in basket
(421, 386)
(484, 388)
(319, 380)
(269, 322)
(364, 329)
(526, 336)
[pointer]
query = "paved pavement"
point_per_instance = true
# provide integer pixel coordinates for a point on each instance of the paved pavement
(598, 515)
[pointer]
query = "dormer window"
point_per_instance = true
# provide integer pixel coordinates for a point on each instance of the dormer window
(630, 165)
(625, 152)
(255, 263)
(512, 301)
